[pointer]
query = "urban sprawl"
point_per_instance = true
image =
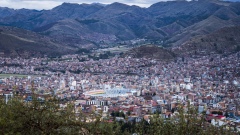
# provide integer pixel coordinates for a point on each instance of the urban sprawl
(135, 86)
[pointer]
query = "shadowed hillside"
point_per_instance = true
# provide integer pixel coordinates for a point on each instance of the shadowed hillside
(168, 24)
(19, 42)
(223, 41)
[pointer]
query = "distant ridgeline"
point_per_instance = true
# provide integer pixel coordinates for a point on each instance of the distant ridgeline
(69, 27)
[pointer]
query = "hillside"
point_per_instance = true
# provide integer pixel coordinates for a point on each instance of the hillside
(150, 51)
(19, 42)
(224, 17)
(223, 41)
(169, 24)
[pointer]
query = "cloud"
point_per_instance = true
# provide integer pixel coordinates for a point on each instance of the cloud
(48, 4)
(36, 4)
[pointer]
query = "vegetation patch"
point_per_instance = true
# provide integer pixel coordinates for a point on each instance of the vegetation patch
(87, 21)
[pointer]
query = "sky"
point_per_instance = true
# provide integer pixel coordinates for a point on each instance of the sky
(49, 4)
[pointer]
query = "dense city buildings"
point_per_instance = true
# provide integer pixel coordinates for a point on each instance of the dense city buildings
(137, 87)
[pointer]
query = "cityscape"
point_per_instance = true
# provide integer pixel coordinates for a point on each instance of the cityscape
(121, 64)
(140, 86)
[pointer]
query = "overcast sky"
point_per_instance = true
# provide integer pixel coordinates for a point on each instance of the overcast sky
(48, 4)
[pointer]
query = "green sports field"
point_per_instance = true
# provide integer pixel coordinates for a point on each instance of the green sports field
(15, 75)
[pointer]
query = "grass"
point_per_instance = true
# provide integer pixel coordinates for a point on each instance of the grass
(15, 75)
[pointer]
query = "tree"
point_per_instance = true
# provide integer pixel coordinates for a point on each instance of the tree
(113, 114)
(27, 118)
(117, 114)
(220, 113)
(226, 114)
(128, 113)
(172, 110)
(121, 114)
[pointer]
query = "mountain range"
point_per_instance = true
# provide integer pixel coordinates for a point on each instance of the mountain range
(71, 26)
(224, 41)
(20, 42)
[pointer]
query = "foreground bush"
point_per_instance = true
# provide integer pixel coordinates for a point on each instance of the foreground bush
(37, 118)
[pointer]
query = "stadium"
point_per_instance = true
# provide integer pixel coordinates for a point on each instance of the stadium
(114, 92)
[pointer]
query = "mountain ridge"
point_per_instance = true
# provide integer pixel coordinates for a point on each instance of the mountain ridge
(169, 24)
(15, 41)
(223, 41)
